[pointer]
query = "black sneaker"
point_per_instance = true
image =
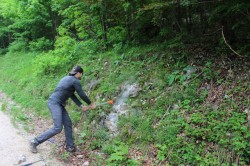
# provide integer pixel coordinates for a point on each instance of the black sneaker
(71, 149)
(33, 145)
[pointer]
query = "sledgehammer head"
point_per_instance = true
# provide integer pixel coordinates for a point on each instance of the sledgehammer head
(111, 102)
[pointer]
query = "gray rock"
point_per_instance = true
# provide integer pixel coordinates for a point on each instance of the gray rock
(80, 156)
(86, 163)
(189, 71)
(21, 159)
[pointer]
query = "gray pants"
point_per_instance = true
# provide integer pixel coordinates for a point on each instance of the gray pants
(60, 119)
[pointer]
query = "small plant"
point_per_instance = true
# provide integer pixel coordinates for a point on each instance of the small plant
(120, 156)
(186, 104)
(97, 159)
(64, 156)
(175, 76)
(161, 153)
(82, 137)
(4, 107)
(209, 73)
(108, 149)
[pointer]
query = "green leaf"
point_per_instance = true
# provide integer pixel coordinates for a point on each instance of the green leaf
(171, 79)
(115, 157)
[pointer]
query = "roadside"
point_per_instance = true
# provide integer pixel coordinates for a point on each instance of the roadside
(14, 149)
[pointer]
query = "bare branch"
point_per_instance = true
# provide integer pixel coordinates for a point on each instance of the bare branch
(228, 44)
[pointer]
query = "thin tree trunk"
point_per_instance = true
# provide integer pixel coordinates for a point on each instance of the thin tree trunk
(202, 24)
(178, 9)
(187, 20)
(128, 25)
(104, 24)
(190, 18)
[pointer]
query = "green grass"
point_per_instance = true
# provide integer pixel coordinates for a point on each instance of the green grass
(20, 84)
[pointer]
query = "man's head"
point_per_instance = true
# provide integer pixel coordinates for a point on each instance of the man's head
(76, 71)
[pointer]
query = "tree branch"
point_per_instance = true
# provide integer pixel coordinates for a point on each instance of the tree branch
(209, 34)
(228, 44)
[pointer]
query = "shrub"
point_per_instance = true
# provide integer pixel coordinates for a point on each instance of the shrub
(18, 46)
(116, 35)
(3, 51)
(88, 47)
(50, 63)
(40, 44)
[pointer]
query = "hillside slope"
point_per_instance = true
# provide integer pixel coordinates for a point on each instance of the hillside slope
(190, 110)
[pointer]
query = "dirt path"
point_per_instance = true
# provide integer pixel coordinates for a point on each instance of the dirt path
(14, 149)
(13, 146)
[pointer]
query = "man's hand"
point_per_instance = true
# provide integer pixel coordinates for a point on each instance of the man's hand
(92, 106)
(84, 108)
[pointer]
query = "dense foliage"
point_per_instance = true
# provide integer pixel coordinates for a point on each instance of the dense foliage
(200, 118)
(37, 24)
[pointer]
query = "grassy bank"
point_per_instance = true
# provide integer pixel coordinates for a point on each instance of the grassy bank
(20, 84)
(177, 118)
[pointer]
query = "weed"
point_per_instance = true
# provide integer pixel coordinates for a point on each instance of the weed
(64, 156)
(175, 76)
(119, 156)
(161, 153)
(4, 107)
(97, 159)
(185, 104)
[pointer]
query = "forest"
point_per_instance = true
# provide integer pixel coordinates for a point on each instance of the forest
(188, 59)
(107, 24)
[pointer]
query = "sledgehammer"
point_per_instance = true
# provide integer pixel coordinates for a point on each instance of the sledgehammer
(110, 102)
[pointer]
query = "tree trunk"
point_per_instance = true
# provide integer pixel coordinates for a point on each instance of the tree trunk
(187, 20)
(178, 15)
(190, 18)
(202, 24)
(104, 23)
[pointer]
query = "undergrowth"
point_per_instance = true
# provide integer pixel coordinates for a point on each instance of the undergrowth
(196, 118)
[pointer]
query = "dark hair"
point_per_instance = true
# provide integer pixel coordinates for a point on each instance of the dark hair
(76, 69)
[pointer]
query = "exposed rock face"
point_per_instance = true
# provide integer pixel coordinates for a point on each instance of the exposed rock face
(120, 107)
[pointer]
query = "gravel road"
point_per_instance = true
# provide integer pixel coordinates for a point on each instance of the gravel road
(14, 146)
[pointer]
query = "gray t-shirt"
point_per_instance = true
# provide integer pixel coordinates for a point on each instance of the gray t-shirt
(66, 89)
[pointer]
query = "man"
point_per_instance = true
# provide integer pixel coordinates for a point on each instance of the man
(56, 103)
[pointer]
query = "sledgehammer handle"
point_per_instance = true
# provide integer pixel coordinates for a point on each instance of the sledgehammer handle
(32, 163)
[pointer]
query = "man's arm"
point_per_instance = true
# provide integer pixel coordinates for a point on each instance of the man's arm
(78, 88)
(75, 99)
(84, 108)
